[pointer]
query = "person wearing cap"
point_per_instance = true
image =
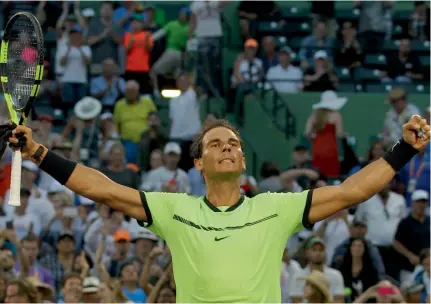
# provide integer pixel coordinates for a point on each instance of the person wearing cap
(123, 14)
(316, 288)
(91, 290)
(122, 242)
(168, 178)
(104, 37)
(315, 256)
(400, 112)
(413, 234)
(176, 32)
(318, 40)
(321, 76)
(108, 87)
(144, 241)
(285, 77)
(45, 291)
(74, 58)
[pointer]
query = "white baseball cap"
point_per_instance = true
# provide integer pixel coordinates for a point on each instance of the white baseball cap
(321, 54)
(90, 285)
(419, 195)
(172, 147)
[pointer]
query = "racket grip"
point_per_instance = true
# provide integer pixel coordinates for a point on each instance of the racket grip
(15, 181)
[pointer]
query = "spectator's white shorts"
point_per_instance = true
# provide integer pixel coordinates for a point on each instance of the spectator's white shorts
(169, 62)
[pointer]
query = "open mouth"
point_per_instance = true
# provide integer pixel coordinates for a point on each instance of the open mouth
(228, 160)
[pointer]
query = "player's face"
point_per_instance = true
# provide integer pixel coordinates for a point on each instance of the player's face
(221, 154)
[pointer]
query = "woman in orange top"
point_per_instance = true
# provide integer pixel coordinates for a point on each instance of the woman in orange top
(138, 44)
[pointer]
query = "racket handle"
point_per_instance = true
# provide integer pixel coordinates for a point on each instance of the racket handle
(15, 181)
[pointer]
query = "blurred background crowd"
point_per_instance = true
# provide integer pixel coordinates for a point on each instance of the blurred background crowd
(317, 89)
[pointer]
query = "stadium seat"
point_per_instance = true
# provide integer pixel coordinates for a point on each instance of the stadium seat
(422, 47)
(379, 88)
(295, 43)
(425, 61)
(375, 61)
(281, 41)
(350, 14)
(367, 75)
(390, 46)
(296, 13)
(343, 74)
(346, 87)
(50, 38)
(268, 27)
(297, 29)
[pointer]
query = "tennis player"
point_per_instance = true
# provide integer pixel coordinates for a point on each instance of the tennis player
(226, 247)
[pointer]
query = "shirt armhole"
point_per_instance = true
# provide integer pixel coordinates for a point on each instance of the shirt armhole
(149, 220)
(305, 217)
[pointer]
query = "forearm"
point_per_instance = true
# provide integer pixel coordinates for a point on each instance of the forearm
(402, 249)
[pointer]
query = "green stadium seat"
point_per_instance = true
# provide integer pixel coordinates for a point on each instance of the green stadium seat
(379, 88)
(390, 46)
(295, 43)
(415, 88)
(421, 46)
(425, 61)
(269, 27)
(367, 75)
(50, 38)
(375, 60)
(297, 28)
(346, 87)
(402, 15)
(343, 74)
(281, 41)
(297, 13)
(349, 14)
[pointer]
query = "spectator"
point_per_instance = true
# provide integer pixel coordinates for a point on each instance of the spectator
(48, 91)
(104, 38)
(168, 178)
(372, 25)
(144, 241)
(131, 116)
(154, 139)
(404, 67)
(129, 279)
(109, 87)
(321, 77)
(74, 58)
(21, 291)
(138, 44)
(358, 229)
(91, 290)
(376, 151)
(248, 185)
(284, 77)
(184, 113)
(71, 288)
(357, 268)
(324, 11)
(45, 292)
(302, 160)
(413, 235)
(382, 213)
(316, 288)
(289, 268)
(313, 43)
(270, 56)
(324, 126)
(382, 292)
(122, 245)
(399, 114)
(171, 60)
(270, 174)
(422, 276)
(149, 18)
(419, 21)
(315, 255)
(123, 15)
(250, 12)
(333, 231)
(348, 51)
(205, 24)
(109, 136)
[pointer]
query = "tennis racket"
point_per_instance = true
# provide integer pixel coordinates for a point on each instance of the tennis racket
(21, 71)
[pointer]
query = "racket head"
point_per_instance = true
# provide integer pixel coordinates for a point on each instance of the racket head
(21, 64)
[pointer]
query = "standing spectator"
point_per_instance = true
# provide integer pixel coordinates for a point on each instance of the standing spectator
(108, 88)
(271, 181)
(168, 178)
(382, 213)
(323, 127)
(122, 245)
(320, 77)
(372, 26)
(138, 44)
(413, 235)
(313, 43)
(149, 18)
(302, 160)
(419, 21)
(405, 66)
(184, 112)
(123, 15)
(270, 56)
(315, 255)
(249, 12)
(348, 51)
(74, 57)
(176, 32)
(131, 115)
(324, 11)
(357, 268)
(285, 77)
(104, 38)
(400, 112)
(205, 23)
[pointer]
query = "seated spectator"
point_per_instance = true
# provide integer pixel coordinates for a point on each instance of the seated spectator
(285, 77)
(108, 88)
(74, 58)
(316, 288)
(413, 235)
(400, 112)
(250, 12)
(138, 44)
(321, 77)
(419, 21)
(270, 56)
(315, 256)
(289, 267)
(313, 43)
(405, 66)
(104, 38)
(357, 268)
(248, 185)
(348, 51)
(21, 291)
(422, 275)
(301, 159)
(131, 115)
(376, 151)
(383, 292)
(176, 32)
(91, 290)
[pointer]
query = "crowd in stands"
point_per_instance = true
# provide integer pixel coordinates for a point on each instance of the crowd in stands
(99, 105)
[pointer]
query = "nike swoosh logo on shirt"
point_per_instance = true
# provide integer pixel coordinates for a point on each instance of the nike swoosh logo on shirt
(219, 239)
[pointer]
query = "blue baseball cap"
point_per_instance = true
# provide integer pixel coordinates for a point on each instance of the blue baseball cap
(76, 29)
(185, 10)
(11, 247)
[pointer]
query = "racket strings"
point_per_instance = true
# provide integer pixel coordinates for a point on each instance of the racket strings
(22, 61)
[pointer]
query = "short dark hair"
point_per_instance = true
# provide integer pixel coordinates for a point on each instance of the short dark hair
(269, 169)
(197, 148)
(31, 237)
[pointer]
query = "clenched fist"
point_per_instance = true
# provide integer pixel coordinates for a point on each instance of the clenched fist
(416, 132)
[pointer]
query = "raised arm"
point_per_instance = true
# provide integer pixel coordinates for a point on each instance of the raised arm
(83, 180)
(370, 180)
